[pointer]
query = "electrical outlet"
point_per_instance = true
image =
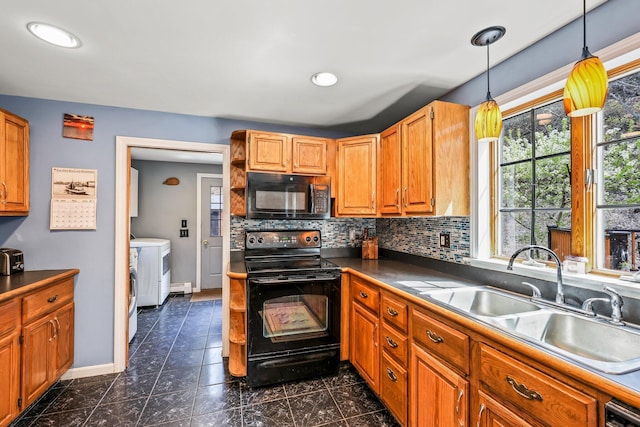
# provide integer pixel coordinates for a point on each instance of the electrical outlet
(184, 232)
(445, 240)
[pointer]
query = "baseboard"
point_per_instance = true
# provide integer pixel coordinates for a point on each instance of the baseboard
(184, 287)
(89, 371)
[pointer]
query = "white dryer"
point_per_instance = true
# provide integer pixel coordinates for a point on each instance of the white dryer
(154, 270)
(133, 292)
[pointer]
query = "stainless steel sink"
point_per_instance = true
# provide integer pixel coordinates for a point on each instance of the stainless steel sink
(606, 347)
(482, 301)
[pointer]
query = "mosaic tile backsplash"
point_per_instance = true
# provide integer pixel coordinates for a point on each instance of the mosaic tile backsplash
(335, 231)
(421, 236)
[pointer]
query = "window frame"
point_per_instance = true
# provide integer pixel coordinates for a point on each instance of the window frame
(483, 179)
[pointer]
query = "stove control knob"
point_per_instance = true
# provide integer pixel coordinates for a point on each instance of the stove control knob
(252, 240)
(315, 238)
(308, 239)
(260, 240)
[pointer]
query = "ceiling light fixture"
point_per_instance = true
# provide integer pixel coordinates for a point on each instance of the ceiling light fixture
(587, 85)
(324, 79)
(53, 35)
(489, 117)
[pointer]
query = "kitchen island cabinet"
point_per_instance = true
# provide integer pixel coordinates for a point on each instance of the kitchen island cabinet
(36, 336)
(14, 165)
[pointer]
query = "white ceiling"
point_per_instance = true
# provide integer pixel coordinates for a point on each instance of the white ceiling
(252, 59)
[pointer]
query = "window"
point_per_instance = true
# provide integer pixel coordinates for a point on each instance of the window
(216, 201)
(534, 178)
(618, 167)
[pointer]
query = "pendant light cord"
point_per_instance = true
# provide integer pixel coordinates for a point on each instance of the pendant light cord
(488, 91)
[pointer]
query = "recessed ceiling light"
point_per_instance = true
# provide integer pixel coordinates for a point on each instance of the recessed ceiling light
(324, 79)
(53, 35)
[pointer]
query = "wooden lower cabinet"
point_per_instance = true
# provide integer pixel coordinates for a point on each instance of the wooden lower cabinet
(439, 396)
(493, 414)
(364, 339)
(9, 377)
(393, 387)
(47, 351)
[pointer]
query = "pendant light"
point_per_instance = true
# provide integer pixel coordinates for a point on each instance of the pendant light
(586, 89)
(488, 118)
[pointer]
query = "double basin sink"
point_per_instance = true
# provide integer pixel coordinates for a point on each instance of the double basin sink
(588, 340)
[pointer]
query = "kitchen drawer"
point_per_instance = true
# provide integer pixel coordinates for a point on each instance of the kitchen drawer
(46, 300)
(9, 316)
(395, 312)
(540, 395)
(452, 346)
(365, 293)
(395, 344)
(393, 388)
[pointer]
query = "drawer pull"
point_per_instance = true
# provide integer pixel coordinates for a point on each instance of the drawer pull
(523, 391)
(434, 337)
(53, 299)
(391, 375)
(392, 312)
(392, 343)
(363, 294)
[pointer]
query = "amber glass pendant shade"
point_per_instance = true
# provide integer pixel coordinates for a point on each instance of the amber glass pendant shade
(488, 121)
(586, 89)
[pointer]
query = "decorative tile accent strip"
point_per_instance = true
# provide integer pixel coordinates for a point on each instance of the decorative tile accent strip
(335, 231)
(421, 236)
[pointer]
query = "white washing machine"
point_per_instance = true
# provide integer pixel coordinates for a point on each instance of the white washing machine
(133, 292)
(154, 270)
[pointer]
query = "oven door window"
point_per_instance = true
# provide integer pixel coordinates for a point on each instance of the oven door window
(295, 317)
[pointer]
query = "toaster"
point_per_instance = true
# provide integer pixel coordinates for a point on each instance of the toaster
(11, 261)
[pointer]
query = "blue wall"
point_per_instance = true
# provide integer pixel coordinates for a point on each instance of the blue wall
(93, 251)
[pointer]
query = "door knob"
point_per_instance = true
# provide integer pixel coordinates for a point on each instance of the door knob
(205, 242)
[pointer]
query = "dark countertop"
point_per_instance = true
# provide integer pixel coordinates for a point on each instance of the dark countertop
(27, 281)
(414, 280)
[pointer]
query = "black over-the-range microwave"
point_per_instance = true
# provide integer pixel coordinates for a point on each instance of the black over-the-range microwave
(279, 196)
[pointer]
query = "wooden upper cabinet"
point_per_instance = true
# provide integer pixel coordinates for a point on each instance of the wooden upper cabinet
(417, 162)
(424, 163)
(390, 171)
(284, 153)
(268, 152)
(14, 165)
(309, 155)
(357, 176)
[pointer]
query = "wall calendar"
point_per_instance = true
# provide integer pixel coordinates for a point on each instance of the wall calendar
(73, 199)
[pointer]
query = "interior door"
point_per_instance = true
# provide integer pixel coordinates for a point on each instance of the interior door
(211, 231)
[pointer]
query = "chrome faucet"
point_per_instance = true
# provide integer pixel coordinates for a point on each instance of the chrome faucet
(616, 306)
(560, 287)
(587, 305)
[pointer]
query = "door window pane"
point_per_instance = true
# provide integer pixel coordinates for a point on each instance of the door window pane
(216, 205)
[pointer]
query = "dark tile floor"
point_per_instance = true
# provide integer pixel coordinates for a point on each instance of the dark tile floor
(177, 377)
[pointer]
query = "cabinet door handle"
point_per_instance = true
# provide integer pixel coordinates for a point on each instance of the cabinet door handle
(373, 335)
(482, 408)
(52, 335)
(363, 294)
(392, 343)
(6, 192)
(434, 337)
(397, 198)
(392, 376)
(392, 312)
(373, 199)
(59, 328)
(406, 196)
(53, 299)
(523, 391)
(460, 394)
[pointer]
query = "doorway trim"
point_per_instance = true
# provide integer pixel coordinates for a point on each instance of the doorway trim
(226, 230)
(121, 312)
